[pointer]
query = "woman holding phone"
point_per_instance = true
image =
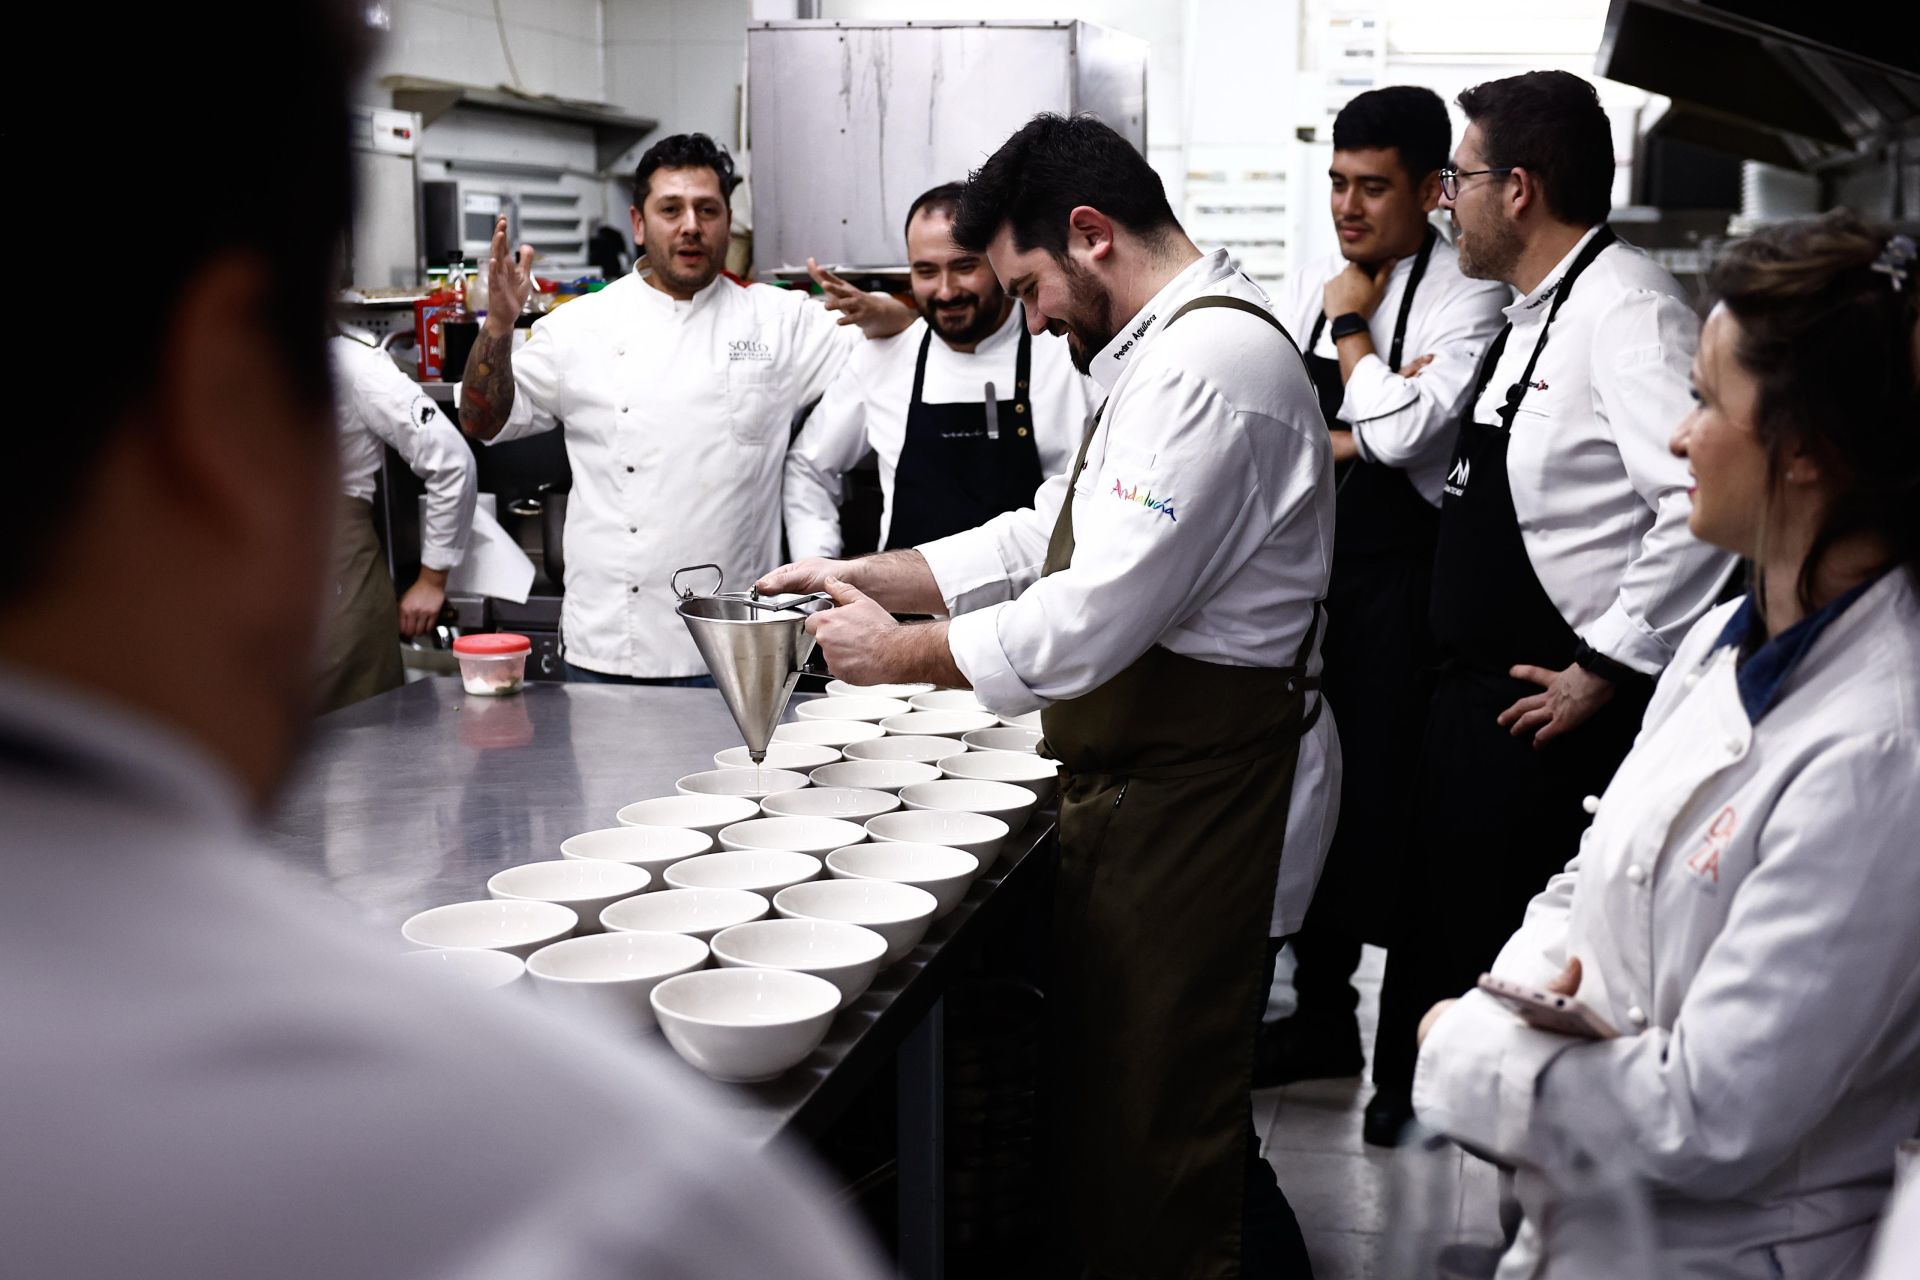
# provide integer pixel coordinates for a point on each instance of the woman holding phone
(1743, 910)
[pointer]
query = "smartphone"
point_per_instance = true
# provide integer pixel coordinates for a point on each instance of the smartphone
(1546, 1011)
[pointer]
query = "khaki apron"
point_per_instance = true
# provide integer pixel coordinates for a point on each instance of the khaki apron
(360, 650)
(1172, 813)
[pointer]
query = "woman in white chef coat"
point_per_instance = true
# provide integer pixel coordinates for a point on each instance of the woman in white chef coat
(1743, 908)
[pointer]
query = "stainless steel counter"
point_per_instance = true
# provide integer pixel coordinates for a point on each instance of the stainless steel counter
(414, 798)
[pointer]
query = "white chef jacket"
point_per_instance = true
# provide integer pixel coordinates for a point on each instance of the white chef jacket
(375, 404)
(1744, 909)
(677, 418)
(866, 408)
(1203, 522)
(1601, 500)
(210, 1070)
(1407, 423)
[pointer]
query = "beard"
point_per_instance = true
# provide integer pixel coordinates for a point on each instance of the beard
(965, 318)
(661, 257)
(1090, 326)
(1488, 252)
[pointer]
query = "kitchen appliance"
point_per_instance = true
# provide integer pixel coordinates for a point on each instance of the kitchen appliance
(755, 649)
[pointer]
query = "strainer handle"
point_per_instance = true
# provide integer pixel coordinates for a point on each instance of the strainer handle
(720, 580)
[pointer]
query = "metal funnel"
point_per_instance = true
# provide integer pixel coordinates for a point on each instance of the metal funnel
(755, 654)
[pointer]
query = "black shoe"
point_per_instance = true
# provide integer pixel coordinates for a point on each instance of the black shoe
(1387, 1115)
(1288, 1052)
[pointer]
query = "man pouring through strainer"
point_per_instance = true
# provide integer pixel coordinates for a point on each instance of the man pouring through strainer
(1159, 603)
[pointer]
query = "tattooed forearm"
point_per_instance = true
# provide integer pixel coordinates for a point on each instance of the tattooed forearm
(486, 392)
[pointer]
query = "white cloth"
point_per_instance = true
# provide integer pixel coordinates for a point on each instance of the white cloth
(1408, 423)
(1203, 522)
(1743, 909)
(1601, 500)
(677, 417)
(374, 404)
(866, 408)
(210, 1071)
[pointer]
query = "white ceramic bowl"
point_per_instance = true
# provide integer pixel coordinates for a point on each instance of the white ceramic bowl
(705, 814)
(899, 913)
(1011, 803)
(469, 967)
(1038, 775)
(517, 927)
(609, 977)
(1025, 720)
(761, 871)
(979, 834)
(846, 955)
(698, 912)
(754, 784)
(945, 873)
(841, 689)
(826, 733)
(800, 756)
(745, 1025)
(652, 849)
(589, 887)
(818, 836)
(875, 775)
(1002, 739)
(872, 710)
(940, 724)
(919, 748)
(946, 700)
(852, 804)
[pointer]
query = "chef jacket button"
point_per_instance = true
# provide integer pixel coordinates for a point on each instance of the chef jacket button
(623, 408)
(1693, 678)
(619, 351)
(1023, 431)
(634, 590)
(633, 528)
(629, 470)
(1019, 408)
(1733, 746)
(1591, 804)
(1637, 1016)
(1636, 874)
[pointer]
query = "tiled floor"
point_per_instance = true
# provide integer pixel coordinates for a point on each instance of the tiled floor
(1351, 1207)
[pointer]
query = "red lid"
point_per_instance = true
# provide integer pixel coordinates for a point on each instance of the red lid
(492, 643)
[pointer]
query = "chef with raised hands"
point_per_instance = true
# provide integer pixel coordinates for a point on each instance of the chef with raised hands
(1159, 603)
(676, 388)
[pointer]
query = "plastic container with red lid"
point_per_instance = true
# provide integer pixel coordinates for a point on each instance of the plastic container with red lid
(493, 663)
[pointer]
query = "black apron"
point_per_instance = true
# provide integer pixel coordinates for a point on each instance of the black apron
(1178, 779)
(1378, 671)
(1500, 817)
(962, 464)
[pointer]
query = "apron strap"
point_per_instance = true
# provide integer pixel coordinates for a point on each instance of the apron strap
(1233, 304)
(1414, 278)
(1022, 362)
(920, 366)
(1561, 292)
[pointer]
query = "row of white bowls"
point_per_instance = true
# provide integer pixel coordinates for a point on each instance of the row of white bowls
(934, 830)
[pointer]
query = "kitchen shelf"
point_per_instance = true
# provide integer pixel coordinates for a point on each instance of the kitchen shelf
(614, 131)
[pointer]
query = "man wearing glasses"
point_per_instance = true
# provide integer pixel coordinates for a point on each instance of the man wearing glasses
(1564, 572)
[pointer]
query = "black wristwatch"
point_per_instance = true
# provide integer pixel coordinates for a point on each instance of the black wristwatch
(1345, 326)
(1613, 672)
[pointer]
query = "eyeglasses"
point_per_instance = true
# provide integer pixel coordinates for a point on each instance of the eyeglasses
(1450, 178)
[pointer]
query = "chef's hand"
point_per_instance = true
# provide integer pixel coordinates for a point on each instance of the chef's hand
(879, 315)
(1568, 983)
(509, 281)
(1354, 290)
(1433, 1015)
(421, 606)
(803, 577)
(854, 634)
(1415, 366)
(1571, 699)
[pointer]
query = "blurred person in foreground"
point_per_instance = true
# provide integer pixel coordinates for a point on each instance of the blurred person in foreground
(1742, 909)
(205, 1070)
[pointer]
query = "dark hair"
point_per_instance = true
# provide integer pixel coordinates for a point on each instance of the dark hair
(1050, 167)
(1551, 124)
(1409, 119)
(944, 198)
(1830, 339)
(185, 207)
(684, 151)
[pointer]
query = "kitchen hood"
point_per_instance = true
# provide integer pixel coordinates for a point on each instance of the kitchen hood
(1798, 85)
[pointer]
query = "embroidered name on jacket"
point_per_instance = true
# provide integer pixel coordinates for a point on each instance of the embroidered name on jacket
(1147, 500)
(749, 349)
(1139, 332)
